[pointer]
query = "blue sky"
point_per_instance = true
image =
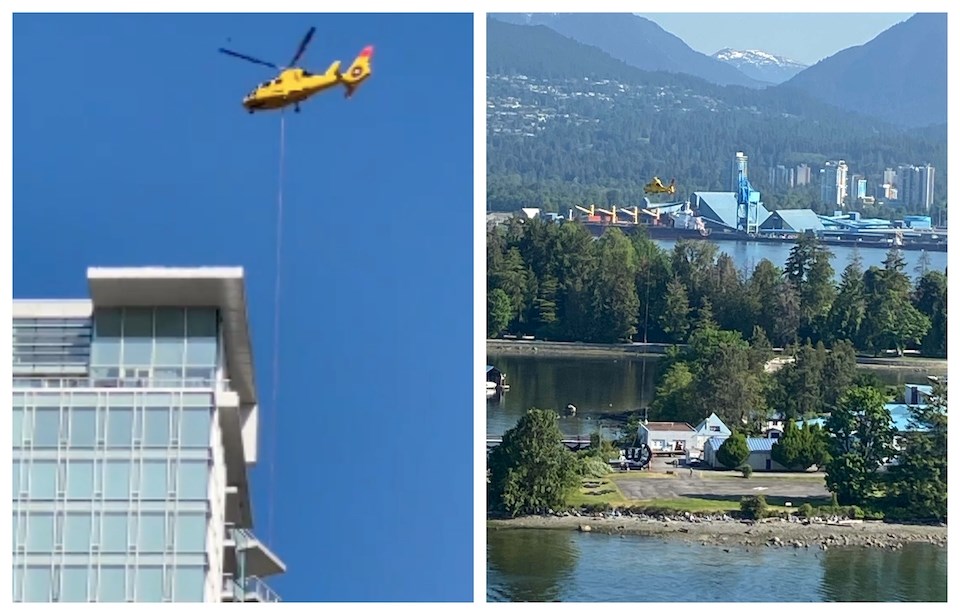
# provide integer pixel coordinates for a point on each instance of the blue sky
(131, 148)
(804, 37)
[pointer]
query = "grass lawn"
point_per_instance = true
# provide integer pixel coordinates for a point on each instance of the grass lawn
(605, 491)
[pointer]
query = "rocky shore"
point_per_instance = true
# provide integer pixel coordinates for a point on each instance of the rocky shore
(793, 532)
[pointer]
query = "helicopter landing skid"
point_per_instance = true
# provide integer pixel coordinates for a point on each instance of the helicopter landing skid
(296, 108)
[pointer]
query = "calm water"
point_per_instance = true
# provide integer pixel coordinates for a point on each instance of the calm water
(543, 565)
(551, 565)
(598, 387)
(748, 254)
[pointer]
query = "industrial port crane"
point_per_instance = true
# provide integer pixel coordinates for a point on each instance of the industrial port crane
(748, 206)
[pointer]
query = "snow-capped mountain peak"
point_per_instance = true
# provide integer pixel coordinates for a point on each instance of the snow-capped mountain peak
(755, 56)
(760, 64)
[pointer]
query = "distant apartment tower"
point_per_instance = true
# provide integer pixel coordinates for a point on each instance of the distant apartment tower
(926, 186)
(134, 426)
(739, 165)
(858, 188)
(781, 177)
(889, 176)
(915, 186)
(833, 183)
(803, 175)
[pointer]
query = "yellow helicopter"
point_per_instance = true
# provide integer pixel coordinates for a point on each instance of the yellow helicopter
(657, 187)
(294, 85)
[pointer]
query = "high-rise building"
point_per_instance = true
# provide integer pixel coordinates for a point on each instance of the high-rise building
(134, 425)
(926, 186)
(833, 183)
(889, 176)
(858, 188)
(781, 177)
(739, 165)
(908, 185)
(803, 175)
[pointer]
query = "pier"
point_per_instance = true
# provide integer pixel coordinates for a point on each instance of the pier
(574, 443)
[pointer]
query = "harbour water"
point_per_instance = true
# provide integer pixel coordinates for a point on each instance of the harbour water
(746, 254)
(552, 565)
(597, 386)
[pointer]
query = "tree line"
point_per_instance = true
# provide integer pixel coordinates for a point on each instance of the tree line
(867, 463)
(555, 281)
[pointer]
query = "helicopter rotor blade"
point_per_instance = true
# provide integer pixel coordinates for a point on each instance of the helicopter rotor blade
(303, 46)
(248, 58)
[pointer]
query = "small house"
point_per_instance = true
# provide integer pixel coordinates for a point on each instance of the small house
(709, 427)
(666, 438)
(759, 459)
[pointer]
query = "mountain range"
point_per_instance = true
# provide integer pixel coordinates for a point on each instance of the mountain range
(899, 76)
(760, 65)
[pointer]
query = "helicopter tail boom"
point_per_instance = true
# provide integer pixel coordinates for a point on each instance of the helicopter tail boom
(358, 71)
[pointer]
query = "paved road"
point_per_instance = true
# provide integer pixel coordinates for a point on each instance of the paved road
(722, 488)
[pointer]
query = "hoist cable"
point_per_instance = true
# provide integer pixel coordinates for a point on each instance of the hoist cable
(272, 432)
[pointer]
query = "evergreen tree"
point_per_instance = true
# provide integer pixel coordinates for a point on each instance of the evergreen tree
(531, 471)
(860, 439)
(733, 452)
(675, 319)
(918, 482)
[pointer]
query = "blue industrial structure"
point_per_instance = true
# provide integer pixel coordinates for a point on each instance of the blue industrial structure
(748, 206)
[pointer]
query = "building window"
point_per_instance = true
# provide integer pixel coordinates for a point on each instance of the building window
(188, 583)
(195, 430)
(153, 533)
(191, 531)
(149, 584)
(83, 427)
(80, 480)
(39, 533)
(77, 532)
(120, 427)
(113, 586)
(157, 428)
(115, 533)
(192, 479)
(73, 581)
(37, 584)
(154, 483)
(715, 428)
(42, 478)
(117, 480)
(46, 432)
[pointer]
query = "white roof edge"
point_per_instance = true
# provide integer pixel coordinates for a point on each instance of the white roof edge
(52, 308)
(164, 272)
(220, 287)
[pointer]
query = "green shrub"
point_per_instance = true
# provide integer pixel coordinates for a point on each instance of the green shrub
(753, 507)
(593, 467)
(733, 451)
(806, 510)
(746, 470)
(855, 512)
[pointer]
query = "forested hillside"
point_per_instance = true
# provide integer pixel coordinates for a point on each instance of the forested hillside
(569, 125)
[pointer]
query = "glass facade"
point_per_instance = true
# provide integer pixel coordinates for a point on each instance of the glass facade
(51, 345)
(111, 474)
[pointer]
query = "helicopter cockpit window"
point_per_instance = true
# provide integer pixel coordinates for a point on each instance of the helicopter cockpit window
(276, 82)
(307, 73)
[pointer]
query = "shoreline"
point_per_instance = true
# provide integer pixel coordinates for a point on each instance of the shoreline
(722, 530)
(533, 348)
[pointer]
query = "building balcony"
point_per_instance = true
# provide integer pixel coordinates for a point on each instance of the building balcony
(251, 589)
(90, 382)
(259, 561)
